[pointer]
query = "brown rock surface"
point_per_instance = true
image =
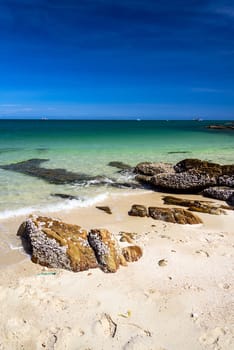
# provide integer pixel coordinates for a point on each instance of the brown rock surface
(106, 249)
(138, 210)
(174, 215)
(54, 243)
(195, 205)
(132, 253)
(105, 208)
(150, 169)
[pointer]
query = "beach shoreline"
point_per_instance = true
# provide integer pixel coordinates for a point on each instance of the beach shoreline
(184, 304)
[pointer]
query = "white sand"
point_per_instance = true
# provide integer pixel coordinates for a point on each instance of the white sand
(186, 305)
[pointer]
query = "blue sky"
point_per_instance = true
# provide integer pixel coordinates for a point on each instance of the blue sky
(117, 58)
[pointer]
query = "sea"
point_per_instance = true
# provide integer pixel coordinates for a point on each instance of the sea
(87, 147)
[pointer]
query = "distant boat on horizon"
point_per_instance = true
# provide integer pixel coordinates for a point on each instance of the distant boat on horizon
(44, 118)
(198, 119)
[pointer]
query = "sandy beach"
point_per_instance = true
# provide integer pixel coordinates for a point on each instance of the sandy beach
(184, 302)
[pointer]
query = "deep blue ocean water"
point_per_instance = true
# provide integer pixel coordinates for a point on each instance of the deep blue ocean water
(88, 146)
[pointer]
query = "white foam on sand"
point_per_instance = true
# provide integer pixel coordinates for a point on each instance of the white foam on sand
(63, 205)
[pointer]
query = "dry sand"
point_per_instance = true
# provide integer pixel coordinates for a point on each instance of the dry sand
(186, 304)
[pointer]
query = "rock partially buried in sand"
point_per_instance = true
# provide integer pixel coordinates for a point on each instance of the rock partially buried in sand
(138, 210)
(106, 209)
(106, 249)
(53, 243)
(174, 215)
(207, 207)
(132, 253)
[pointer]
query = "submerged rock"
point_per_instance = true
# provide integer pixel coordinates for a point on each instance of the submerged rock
(32, 167)
(120, 165)
(229, 126)
(138, 210)
(65, 196)
(55, 244)
(174, 215)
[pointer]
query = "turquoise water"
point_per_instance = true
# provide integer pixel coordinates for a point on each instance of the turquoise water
(88, 146)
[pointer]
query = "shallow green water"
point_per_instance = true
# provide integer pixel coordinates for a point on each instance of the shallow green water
(88, 146)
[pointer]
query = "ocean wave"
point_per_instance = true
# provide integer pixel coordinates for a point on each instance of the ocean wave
(64, 205)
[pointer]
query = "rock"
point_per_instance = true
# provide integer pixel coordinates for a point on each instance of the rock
(231, 200)
(120, 165)
(132, 253)
(221, 193)
(150, 169)
(105, 208)
(65, 196)
(138, 210)
(53, 243)
(162, 262)
(226, 180)
(32, 167)
(195, 205)
(132, 185)
(185, 182)
(174, 215)
(221, 126)
(171, 200)
(145, 179)
(106, 249)
(207, 209)
(201, 166)
(127, 237)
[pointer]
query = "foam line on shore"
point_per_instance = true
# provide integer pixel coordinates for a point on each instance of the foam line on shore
(65, 205)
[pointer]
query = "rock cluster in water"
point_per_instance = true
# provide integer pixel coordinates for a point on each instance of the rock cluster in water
(56, 244)
(189, 176)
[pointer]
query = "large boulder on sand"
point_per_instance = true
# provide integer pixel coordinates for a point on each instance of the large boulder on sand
(55, 244)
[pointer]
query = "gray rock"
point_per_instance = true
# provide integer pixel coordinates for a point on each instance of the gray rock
(190, 182)
(221, 193)
(226, 180)
(150, 169)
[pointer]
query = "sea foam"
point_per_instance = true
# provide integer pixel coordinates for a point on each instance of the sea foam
(65, 205)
